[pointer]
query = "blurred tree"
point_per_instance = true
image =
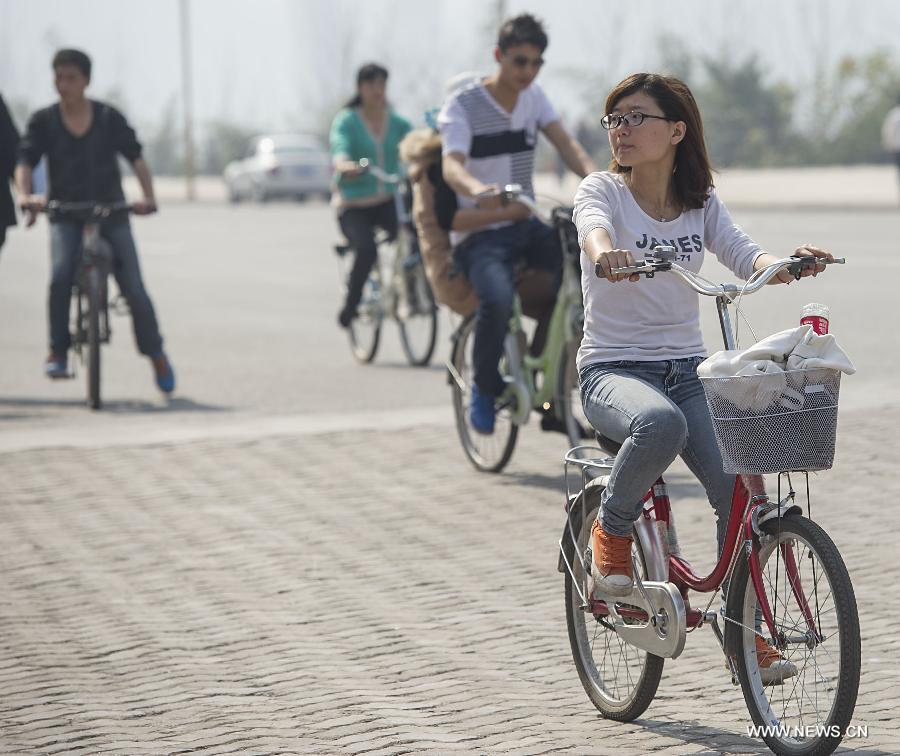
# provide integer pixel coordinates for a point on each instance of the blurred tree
(746, 120)
(225, 141)
(851, 106)
(163, 148)
(675, 59)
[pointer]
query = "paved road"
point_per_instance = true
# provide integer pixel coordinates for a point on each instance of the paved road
(293, 557)
(247, 298)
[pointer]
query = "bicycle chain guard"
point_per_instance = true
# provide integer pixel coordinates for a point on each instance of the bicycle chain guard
(664, 635)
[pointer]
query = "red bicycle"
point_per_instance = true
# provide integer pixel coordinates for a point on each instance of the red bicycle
(783, 577)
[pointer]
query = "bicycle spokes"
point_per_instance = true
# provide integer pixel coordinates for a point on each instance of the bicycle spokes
(811, 689)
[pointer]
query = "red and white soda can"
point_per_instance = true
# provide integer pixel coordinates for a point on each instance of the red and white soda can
(815, 315)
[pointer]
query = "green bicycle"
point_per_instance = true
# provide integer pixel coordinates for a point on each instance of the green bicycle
(548, 382)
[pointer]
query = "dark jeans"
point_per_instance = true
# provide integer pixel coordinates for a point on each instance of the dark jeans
(65, 257)
(2, 236)
(489, 258)
(358, 224)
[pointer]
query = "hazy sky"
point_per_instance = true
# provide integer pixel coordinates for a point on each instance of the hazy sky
(276, 64)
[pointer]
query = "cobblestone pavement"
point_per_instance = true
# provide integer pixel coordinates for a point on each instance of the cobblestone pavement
(358, 592)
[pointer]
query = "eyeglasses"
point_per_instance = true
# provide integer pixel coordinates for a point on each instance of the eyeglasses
(635, 118)
(521, 61)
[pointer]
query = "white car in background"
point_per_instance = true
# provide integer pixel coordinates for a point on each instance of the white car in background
(280, 165)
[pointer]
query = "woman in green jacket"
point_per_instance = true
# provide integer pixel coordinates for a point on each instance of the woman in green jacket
(366, 128)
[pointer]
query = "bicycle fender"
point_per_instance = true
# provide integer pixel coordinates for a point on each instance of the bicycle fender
(652, 546)
(573, 515)
(782, 510)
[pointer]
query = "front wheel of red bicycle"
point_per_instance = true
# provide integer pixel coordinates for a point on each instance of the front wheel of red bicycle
(804, 709)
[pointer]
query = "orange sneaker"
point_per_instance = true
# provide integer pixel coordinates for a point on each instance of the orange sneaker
(774, 669)
(611, 562)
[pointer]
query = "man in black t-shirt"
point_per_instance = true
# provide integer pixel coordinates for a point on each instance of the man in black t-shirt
(82, 140)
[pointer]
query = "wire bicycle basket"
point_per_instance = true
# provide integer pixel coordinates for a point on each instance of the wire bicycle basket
(775, 422)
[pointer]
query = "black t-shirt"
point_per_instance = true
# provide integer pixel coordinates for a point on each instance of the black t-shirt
(85, 168)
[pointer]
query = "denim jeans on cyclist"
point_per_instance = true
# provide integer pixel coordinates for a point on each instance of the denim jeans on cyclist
(656, 410)
(65, 257)
(489, 259)
(358, 224)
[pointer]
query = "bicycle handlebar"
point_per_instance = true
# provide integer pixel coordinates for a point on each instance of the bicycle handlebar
(515, 193)
(366, 166)
(95, 209)
(662, 262)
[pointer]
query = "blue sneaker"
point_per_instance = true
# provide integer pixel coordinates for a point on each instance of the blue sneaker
(165, 376)
(482, 411)
(56, 367)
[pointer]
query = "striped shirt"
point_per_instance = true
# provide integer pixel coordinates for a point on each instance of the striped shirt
(498, 145)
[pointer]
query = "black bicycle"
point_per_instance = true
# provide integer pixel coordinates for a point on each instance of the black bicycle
(90, 321)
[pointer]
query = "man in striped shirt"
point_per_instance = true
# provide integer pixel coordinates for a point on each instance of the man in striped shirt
(489, 131)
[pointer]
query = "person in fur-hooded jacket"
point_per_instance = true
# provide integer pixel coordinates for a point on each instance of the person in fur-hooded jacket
(435, 213)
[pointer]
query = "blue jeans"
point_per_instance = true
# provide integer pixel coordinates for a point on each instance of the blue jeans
(489, 258)
(65, 257)
(656, 410)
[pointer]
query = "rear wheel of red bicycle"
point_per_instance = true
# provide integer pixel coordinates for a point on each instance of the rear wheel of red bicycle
(808, 709)
(620, 679)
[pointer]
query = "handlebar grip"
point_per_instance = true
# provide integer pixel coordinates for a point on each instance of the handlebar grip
(808, 260)
(630, 269)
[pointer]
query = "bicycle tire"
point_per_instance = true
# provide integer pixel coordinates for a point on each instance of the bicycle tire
(365, 329)
(568, 399)
(597, 684)
(740, 641)
(92, 281)
(488, 453)
(421, 310)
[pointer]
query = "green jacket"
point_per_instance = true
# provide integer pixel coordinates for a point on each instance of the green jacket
(351, 139)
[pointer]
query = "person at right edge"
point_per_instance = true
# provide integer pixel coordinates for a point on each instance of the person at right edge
(642, 342)
(489, 131)
(890, 134)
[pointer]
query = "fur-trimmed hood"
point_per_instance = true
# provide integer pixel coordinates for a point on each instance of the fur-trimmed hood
(419, 149)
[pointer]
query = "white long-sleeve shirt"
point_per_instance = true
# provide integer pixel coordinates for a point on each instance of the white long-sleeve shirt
(655, 318)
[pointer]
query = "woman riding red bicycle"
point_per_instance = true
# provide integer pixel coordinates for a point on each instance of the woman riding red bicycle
(642, 344)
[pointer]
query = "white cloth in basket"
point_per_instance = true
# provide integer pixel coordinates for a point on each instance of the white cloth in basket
(798, 348)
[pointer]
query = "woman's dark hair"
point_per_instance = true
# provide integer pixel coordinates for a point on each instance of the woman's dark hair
(73, 58)
(369, 72)
(693, 173)
(522, 30)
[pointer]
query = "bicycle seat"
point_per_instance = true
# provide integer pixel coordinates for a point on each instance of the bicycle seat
(607, 444)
